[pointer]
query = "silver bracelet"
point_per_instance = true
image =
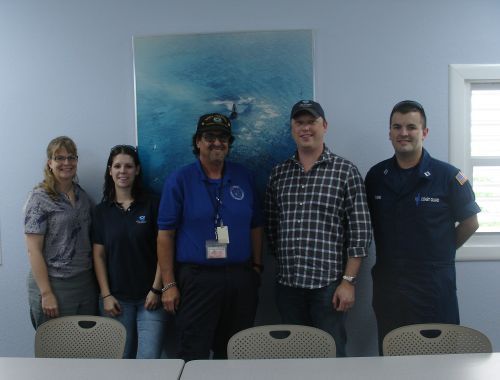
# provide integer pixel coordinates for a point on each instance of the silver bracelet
(168, 286)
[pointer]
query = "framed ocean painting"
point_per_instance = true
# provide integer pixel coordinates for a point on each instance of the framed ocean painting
(252, 77)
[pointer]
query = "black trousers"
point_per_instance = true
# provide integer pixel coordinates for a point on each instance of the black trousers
(216, 303)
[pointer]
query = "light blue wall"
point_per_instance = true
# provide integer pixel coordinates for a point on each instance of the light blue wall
(66, 68)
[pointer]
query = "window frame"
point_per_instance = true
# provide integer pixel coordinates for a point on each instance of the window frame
(481, 246)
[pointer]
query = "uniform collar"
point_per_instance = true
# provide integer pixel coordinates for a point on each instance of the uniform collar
(423, 167)
(423, 173)
(226, 175)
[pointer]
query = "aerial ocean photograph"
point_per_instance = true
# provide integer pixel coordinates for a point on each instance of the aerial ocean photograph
(252, 77)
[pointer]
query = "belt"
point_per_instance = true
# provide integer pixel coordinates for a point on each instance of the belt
(215, 268)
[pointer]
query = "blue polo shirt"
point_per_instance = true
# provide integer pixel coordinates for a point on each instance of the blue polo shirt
(415, 222)
(188, 205)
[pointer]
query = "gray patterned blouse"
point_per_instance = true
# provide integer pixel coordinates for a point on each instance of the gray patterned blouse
(67, 248)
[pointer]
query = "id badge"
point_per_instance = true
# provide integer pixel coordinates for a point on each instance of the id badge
(215, 249)
(223, 234)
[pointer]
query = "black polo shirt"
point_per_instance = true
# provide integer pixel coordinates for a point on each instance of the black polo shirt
(129, 240)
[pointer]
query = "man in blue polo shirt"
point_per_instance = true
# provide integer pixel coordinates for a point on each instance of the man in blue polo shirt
(209, 244)
(422, 211)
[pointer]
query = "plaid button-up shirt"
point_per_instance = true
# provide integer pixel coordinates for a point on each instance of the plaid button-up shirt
(316, 219)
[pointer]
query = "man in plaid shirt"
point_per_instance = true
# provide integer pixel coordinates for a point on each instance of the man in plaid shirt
(318, 226)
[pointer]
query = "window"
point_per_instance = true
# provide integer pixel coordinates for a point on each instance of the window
(485, 152)
(474, 117)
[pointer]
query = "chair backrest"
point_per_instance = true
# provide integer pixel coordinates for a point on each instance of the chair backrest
(80, 336)
(435, 338)
(281, 342)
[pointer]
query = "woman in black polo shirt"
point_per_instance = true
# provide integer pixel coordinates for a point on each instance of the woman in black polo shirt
(125, 259)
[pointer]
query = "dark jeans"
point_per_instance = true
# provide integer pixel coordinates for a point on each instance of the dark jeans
(216, 303)
(313, 307)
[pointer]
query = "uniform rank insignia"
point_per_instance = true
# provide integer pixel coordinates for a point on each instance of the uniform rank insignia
(461, 178)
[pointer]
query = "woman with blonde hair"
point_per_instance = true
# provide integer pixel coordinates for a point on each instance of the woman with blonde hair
(57, 229)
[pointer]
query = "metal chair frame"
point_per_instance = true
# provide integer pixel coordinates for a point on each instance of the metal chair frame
(281, 342)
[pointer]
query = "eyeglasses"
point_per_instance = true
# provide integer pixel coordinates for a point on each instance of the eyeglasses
(70, 158)
(211, 137)
(124, 147)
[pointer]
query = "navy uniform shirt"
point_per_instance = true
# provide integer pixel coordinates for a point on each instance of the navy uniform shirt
(414, 218)
(414, 223)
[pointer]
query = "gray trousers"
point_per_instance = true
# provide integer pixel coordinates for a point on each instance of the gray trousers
(77, 295)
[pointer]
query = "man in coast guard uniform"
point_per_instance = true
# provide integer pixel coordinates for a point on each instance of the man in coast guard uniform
(422, 210)
(209, 244)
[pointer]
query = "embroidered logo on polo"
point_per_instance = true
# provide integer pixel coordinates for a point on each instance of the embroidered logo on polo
(237, 192)
(419, 199)
(141, 219)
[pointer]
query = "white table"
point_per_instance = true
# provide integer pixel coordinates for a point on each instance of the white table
(89, 369)
(430, 367)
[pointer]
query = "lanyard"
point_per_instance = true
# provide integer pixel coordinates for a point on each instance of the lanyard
(217, 203)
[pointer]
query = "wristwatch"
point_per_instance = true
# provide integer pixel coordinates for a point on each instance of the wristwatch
(350, 279)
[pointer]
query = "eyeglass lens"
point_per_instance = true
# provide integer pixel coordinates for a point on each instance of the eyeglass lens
(70, 158)
(211, 137)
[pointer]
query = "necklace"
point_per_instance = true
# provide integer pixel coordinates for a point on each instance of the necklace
(68, 192)
(70, 195)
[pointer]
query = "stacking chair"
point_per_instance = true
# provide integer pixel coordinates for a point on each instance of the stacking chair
(80, 336)
(281, 342)
(435, 338)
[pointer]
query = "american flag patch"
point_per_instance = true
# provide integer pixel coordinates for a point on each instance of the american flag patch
(461, 178)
